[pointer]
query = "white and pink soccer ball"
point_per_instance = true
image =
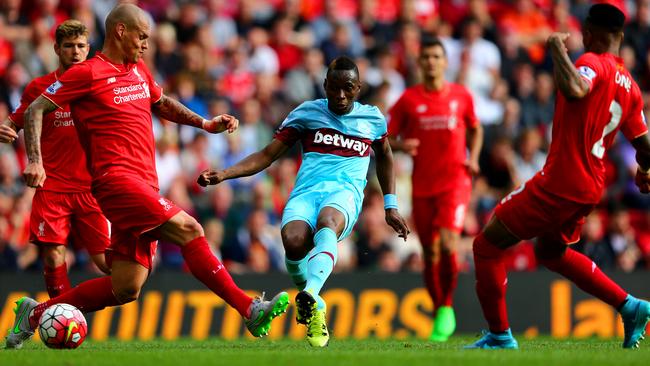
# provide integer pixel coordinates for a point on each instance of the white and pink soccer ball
(62, 326)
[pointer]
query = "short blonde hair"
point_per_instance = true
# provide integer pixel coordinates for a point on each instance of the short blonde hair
(70, 28)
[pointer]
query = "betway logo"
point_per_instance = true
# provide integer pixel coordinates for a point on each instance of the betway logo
(340, 140)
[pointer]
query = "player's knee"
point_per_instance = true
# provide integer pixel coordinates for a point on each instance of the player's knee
(448, 245)
(127, 293)
(294, 245)
(430, 255)
(191, 228)
(53, 256)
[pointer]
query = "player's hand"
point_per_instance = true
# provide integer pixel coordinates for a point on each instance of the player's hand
(472, 167)
(218, 124)
(410, 146)
(642, 180)
(34, 175)
(558, 40)
(210, 177)
(7, 134)
(397, 222)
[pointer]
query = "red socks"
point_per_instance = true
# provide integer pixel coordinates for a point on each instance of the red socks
(207, 268)
(448, 277)
(88, 296)
(491, 283)
(432, 281)
(56, 280)
(586, 275)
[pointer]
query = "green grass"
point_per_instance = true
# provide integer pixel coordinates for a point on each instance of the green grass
(372, 352)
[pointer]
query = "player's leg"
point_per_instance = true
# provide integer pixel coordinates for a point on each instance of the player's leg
(298, 223)
(423, 215)
(49, 229)
(445, 318)
(122, 286)
(185, 231)
(297, 241)
(321, 261)
(516, 217)
(320, 264)
(553, 252)
(55, 269)
(449, 217)
(92, 229)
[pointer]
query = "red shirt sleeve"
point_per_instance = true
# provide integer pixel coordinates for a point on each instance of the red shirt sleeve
(30, 93)
(635, 124)
(590, 69)
(75, 83)
(471, 121)
(396, 117)
(288, 135)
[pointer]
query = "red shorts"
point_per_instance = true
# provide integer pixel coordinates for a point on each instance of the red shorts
(55, 214)
(530, 211)
(445, 210)
(133, 207)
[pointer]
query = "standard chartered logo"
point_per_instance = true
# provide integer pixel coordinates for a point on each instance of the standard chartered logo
(133, 92)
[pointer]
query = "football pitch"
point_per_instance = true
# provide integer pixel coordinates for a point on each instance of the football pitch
(370, 352)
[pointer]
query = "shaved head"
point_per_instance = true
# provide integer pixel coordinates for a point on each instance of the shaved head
(127, 31)
(127, 14)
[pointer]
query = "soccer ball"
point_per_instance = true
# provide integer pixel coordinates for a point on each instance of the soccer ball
(62, 326)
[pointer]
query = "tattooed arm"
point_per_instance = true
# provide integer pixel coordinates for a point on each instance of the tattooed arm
(34, 173)
(172, 110)
(567, 79)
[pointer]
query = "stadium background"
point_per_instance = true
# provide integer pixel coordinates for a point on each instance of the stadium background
(258, 59)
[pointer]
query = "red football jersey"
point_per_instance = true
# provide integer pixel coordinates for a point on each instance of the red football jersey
(584, 129)
(439, 119)
(63, 158)
(111, 104)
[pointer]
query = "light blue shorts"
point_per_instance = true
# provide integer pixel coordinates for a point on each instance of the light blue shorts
(306, 206)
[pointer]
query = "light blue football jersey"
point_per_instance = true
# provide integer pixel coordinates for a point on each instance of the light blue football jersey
(335, 149)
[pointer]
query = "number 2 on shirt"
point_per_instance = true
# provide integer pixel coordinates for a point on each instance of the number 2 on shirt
(599, 147)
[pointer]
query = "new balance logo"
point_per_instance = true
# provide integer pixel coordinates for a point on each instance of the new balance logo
(342, 141)
(110, 80)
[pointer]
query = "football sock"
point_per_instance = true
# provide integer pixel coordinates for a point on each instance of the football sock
(298, 271)
(491, 283)
(586, 275)
(207, 268)
(321, 263)
(88, 296)
(431, 276)
(56, 280)
(448, 277)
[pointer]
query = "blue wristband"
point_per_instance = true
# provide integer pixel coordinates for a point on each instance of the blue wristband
(390, 201)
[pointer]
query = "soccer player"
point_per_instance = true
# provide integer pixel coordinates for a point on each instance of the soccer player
(430, 122)
(64, 203)
(596, 97)
(336, 134)
(112, 97)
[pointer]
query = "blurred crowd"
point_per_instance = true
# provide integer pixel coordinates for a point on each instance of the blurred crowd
(258, 59)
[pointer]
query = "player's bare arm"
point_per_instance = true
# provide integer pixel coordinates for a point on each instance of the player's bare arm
(474, 144)
(8, 131)
(386, 177)
(252, 164)
(173, 110)
(567, 79)
(642, 146)
(408, 146)
(34, 173)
